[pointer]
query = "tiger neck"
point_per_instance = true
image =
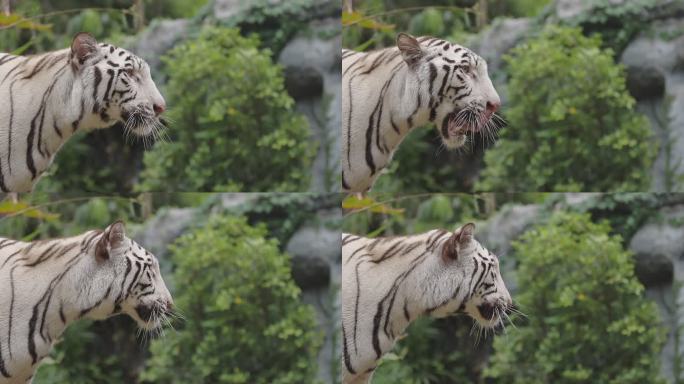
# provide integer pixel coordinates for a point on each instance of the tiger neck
(67, 292)
(69, 109)
(407, 303)
(422, 291)
(409, 111)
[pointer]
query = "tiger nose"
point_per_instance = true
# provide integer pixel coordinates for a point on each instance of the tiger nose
(169, 306)
(493, 106)
(159, 108)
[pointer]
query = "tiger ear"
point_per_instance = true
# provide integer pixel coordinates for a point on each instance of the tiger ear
(83, 47)
(111, 238)
(410, 49)
(460, 238)
(464, 235)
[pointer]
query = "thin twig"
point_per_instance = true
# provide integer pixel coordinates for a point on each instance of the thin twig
(417, 195)
(63, 201)
(126, 11)
(408, 9)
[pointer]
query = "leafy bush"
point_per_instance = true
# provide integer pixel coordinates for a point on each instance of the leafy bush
(234, 125)
(244, 321)
(277, 22)
(572, 124)
(618, 22)
(587, 318)
(516, 8)
(101, 352)
(441, 351)
(422, 164)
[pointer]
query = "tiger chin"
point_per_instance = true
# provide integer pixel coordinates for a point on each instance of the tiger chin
(389, 92)
(47, 285)
(387, 283)
(47, 98)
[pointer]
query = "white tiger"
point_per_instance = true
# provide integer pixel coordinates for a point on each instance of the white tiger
(389, 282)
(47, 285)
(45, 99)
(388, 92)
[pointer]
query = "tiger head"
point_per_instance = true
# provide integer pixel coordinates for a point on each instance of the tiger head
(486, 298)
(137, 288)
(117, 86)
(454, 80)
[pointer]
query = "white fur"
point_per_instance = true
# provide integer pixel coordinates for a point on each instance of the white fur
(43, 111)
(422, 281)
(386, 93)
(70, 279)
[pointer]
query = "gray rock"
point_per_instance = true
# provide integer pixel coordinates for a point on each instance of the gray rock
(498, 39)
(310, 272)
(230, 11)
(654, 269)
(660, 237)
(315, 242)
(498, 233)
(312, 63)
(235, 201)
(163, 228)
(505, 226)
(303, 82)
(578, 200)
(659, 249)
(315, 249)
(649, 51)
(157, 39)
(157, 233)
(645, 83)
(655, 67)
(569, 9)
(226, 9)
(314, 50)
(316, 252)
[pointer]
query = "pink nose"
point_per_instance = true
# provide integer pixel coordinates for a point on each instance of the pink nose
(159, 109)
(493, 107)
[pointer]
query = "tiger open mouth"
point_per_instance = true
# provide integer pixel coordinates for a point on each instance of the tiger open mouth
(150, 316)
(458, 124)
(455, 128)
(461, 122)
(487, 311)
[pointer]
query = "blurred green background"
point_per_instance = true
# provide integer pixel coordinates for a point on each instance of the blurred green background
(596, 276)
(590, 88)
(254, 277)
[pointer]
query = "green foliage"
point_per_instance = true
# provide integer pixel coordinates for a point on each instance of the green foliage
(441, 351)
(275, 22)
(422, 164)
(283, 214)
(375, 23)
(73, 360)
(236, 131)
(587, 319)
(173, 8)
(32, 219)
(516, 8)
(244, 322)
(617, 22)
(101, 161)
(626, 212)
(572, 126)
